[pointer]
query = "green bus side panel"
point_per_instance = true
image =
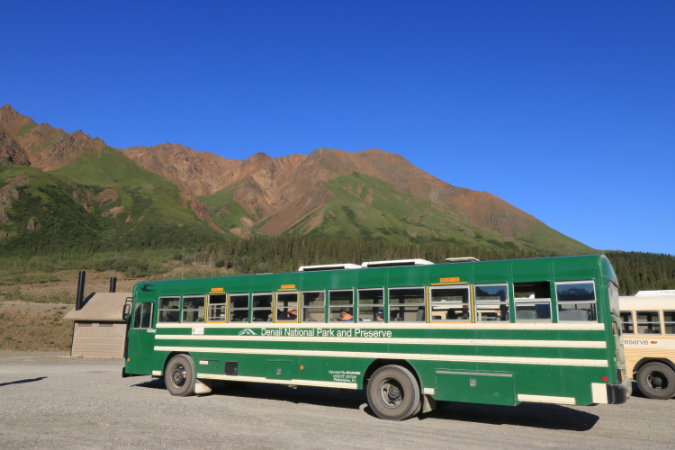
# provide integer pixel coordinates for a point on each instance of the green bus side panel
(475, 387)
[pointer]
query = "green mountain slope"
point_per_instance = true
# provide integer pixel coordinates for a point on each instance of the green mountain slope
(98, 202)
(370, 208)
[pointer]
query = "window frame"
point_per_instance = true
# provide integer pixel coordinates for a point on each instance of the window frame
(632, 322)
(424, 303)
(507, 302)
(358, 306)
(183, 310)
(304, 307)
(271, 307)
(669, 322)
(208, 318)
(276, 311)
(152, 310)
(160, 309)
(466, 287)
(660, 322)
(568, 302)
(232, 309)
(353, 305)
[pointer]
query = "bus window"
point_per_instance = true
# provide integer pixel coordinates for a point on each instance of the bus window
(576, 301)
(142, 315)
(169, 309)
(193, 309)
(314, 306)
(492, 303)
(407, 305)
(648, 322)
(532, 301)
(262, 307)
(669, 321)
(287, 307)
(627, 322)
(238, 307)
(341, 305)
(371, 305)
(217, 308)
(450, 303)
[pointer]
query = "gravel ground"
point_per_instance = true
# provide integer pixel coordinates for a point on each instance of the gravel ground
(48, 400)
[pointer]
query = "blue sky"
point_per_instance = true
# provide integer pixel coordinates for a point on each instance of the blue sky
(564, 109)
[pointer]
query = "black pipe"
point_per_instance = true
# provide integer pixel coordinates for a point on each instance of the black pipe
(80, 290)
(113, 284)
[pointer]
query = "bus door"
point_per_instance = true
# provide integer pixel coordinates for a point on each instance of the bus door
(141, 336)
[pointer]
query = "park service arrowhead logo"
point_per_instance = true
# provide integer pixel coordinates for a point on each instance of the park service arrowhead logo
(247, 332)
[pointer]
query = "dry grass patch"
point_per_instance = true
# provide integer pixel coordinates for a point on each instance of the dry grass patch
(23, 330)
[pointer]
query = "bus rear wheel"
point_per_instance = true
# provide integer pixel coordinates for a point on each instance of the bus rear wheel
(179, 376)
(393, 393)
(656, 380)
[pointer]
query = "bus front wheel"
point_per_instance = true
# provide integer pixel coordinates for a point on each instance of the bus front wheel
(179, 376)
(393, 393)
(656, 380)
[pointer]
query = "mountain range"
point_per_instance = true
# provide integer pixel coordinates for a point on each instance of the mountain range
(62, 190)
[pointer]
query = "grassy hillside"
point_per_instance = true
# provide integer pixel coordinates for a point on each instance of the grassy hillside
(143, 211)
(372, 209)
(224, 211)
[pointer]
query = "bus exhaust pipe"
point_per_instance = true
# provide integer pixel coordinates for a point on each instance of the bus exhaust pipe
(80, 290)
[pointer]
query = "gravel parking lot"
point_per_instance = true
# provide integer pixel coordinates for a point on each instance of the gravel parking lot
(49, 400)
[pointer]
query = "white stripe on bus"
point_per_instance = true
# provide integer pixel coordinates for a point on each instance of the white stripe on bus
(396, 325)
(416, 341)
(329, 384)
(392, 355)
(546, 399)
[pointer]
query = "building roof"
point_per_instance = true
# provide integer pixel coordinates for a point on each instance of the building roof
(101, 307)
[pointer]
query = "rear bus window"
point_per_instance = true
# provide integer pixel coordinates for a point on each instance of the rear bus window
(169, 309)
(314, 306)
(492, 303)
(407, 305)
(193, 308)
(532, 301)
(238, 307)
(371, 305)
(627, 322)
(648, 322)
(217, 308)
(669, 321)
(450, 303)
(262, 307)
(341, 305)
(576, 301)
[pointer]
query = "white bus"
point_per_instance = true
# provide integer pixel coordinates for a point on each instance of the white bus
(648, 332)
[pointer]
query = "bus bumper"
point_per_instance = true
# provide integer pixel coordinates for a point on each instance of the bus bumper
(612, 394)
(619, 393)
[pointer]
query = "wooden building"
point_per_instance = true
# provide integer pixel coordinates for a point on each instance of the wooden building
(99, 330)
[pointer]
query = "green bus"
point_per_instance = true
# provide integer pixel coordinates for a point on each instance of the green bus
(408, 332)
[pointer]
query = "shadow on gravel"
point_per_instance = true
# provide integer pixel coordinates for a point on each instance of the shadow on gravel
(347, 399)
(552, 417)
(31, 380)
(155, 383)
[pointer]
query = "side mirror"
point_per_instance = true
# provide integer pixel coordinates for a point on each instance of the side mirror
(127, 311)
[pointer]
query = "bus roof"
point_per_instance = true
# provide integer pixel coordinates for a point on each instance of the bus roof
(645, 303)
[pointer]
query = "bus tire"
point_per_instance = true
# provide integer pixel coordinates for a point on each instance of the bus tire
(656, 380)
(393, 393)
(179, 376)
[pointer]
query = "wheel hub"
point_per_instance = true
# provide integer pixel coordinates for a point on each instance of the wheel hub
(178, 375)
